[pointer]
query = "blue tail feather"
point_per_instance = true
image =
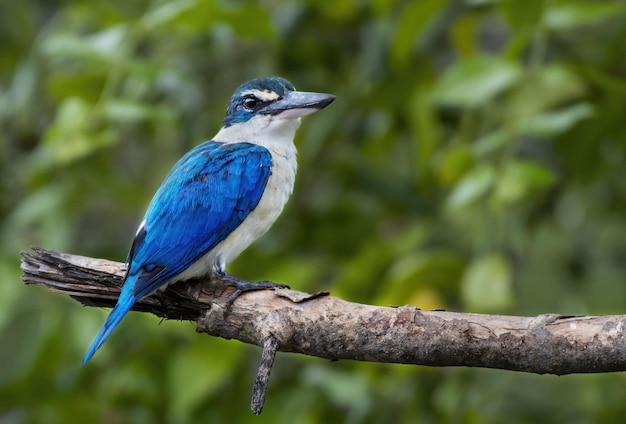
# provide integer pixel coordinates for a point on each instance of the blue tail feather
(124, 304)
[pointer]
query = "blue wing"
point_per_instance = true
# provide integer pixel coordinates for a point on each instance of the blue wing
(207, 194)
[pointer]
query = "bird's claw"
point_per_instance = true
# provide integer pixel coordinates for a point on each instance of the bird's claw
(242, 286)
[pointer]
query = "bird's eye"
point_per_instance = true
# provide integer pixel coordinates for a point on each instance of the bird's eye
(249, 103)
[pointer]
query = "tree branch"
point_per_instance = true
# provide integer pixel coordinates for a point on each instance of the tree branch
(327, 327)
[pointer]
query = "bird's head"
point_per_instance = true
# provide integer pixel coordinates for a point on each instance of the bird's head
(270, 102)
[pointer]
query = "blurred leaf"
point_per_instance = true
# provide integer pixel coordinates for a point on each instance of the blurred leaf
(543, 89)
(244, 19)
(35, 206)
(572, 14)
(427, 299)
(347, 390)
(26, 333)
(72, 115)
(215, 366)
(34, 211)
(414, 22)
(424, 127)
(101, 48)
(474, 185)
(522, 15)
(449, 396)
(136, 382)
(487, 284)
(132, 111)
(423, 273)
(455, 163)
(167, 12)
(607, 82)
(463, 35)
(9, 271)
(554, 123)
(521, 179)
(250, 21)
(71, 137)
(491, 142)
(475, 81)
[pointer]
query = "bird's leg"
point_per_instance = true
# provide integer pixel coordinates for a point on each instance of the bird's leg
(242, 285)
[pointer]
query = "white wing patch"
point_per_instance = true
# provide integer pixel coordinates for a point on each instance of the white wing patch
(141, 226)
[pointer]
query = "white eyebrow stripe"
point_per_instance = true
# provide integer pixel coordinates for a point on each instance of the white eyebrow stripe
(265, 95)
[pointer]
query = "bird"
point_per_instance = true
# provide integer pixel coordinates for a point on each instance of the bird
(219, 197)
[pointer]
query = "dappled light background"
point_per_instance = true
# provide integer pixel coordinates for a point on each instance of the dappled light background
(474, 160)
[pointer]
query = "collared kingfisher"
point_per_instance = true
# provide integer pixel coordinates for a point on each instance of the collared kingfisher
(219, 197)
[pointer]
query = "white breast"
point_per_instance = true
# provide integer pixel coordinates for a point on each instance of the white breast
(277, 137)
(279, 188)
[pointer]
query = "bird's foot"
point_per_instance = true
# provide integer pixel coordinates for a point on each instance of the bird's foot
(242, 286)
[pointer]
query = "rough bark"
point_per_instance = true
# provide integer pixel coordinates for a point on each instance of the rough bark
(328, 327)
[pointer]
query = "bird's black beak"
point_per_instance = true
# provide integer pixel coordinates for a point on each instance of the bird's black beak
(294, 104)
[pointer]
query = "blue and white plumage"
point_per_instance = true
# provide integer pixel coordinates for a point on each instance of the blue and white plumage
(220, 197)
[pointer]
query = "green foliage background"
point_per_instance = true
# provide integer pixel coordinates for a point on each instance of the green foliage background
(473, 161)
